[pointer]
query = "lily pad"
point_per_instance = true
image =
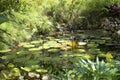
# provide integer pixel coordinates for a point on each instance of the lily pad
(82, 43)
(34, 49)
(81, 50)
(28, 46)
(6, 50)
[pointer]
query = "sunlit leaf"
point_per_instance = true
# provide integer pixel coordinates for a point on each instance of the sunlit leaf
(7, 50)
(93, 67)
(34, 49)
(4, 74)
(16, 70)
(77, 55)
(11, 65)
(41, 70)
(4, 57)
(35, 66)
(109, 56)
(82, 43)
(87, 56)
(28, 46)
(81, 50)
(53, 50)
(26, 69)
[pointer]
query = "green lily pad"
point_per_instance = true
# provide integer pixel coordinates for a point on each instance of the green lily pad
(28, 46)
(50, 44)
(106, 38)
(34, 49)
(81, 50)
(82, 43)
(53, 50)
(46, 46)
(6, 50)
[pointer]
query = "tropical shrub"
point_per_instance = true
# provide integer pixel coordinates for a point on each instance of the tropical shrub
(99, 70)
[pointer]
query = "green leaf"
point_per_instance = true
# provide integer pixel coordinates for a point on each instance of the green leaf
(81, 50)
(41, 70)
(82, 43)
(3, 51)
(11, 65)
(34, 49)
(26, 69)
(16, 70)
(28, 46)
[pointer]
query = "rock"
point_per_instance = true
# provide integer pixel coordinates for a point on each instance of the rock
(118, 32)
(46, 77)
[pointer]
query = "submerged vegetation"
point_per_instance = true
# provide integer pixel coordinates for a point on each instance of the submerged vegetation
(59, 39)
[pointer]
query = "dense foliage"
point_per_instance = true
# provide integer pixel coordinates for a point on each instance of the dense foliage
(59, 39)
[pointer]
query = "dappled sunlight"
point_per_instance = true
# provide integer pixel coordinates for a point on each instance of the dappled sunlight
(59, 40)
